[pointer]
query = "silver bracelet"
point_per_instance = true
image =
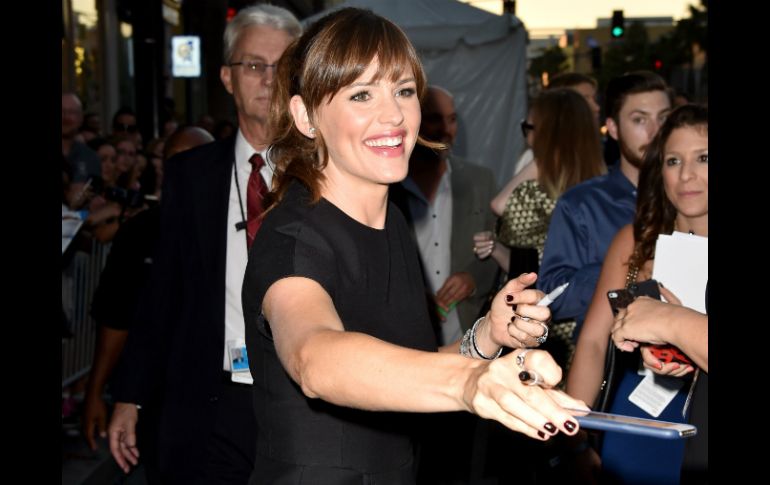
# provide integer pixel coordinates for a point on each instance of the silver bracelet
(476, 347)
(465, 344)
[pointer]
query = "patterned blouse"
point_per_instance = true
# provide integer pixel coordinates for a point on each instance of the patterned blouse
(526, 216)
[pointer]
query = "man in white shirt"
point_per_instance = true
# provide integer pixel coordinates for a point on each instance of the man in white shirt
(446, 200)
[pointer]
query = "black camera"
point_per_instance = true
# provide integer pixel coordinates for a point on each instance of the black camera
(623, 297)
(124, 197)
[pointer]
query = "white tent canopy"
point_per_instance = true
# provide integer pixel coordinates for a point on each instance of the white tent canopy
(480, 58)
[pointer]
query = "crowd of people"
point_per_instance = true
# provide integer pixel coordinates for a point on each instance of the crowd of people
(325, 292)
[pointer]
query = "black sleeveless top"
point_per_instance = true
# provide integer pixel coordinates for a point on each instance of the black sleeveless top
(373, 277)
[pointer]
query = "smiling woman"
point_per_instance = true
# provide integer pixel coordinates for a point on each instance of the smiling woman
(672, 196)
(377, 74)
(337, 328)
(369, 130)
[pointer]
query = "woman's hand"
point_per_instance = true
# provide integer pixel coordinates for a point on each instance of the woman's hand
(495, 391)
(674, 369)
(514, 320)
(646, 320)
(483, 244)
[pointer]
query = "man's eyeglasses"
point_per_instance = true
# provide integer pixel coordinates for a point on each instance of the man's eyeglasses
(124, 128)
(526, 128)
(254, 68)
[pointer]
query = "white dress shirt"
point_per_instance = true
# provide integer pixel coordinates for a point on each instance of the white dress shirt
(433, 228)
(237, 251)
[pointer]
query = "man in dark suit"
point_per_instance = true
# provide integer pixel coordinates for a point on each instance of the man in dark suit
(190, 319)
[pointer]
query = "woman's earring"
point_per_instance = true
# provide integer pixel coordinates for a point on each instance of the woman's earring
(312, 131)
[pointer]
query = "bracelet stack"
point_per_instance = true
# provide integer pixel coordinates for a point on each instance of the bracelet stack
(465, 344)
(469, 340)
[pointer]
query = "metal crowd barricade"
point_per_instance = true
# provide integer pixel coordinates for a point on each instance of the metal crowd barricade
(80, 277)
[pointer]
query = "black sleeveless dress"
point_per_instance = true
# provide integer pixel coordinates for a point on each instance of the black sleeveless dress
(373, 277)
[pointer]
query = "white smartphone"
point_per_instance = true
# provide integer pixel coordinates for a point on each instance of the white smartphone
(629, 424)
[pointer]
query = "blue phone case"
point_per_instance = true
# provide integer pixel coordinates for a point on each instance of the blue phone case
(629, 424)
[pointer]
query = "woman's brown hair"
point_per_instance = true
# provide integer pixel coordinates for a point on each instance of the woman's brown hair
(331, 54)
(655, 214)
(566, 148)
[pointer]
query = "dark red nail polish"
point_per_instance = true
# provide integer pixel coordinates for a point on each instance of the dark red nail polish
(509, 298)
(570, 426)
(523, 376)
(541, 434)
(549, 427)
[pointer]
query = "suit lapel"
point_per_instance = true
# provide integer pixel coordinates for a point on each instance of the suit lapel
(462, 203)
(212, 195)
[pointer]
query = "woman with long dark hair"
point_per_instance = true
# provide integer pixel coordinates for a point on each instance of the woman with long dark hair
(672, 196)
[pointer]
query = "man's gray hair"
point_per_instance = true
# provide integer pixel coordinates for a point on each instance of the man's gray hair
(262, 14)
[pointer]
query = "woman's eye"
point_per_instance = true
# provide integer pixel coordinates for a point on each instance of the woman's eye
(406, 93)
(671, 161)
(704, 158)
(362, 96)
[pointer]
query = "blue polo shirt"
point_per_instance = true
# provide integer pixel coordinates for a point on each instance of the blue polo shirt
(585, 220)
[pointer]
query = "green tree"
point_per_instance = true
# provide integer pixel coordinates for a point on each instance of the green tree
(630, 53)
(676, 49)
(552, 60)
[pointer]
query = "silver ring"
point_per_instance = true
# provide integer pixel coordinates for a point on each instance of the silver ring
(526, 319)
(533, 378)
(541, 339)
(520, 358)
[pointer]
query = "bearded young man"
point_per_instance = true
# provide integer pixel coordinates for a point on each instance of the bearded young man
(588, 215)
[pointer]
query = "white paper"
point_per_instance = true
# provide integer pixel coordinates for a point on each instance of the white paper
(655, 392)
(71, 221)
(682, 265)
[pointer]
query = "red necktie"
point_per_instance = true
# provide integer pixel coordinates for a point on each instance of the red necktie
(257, 189)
